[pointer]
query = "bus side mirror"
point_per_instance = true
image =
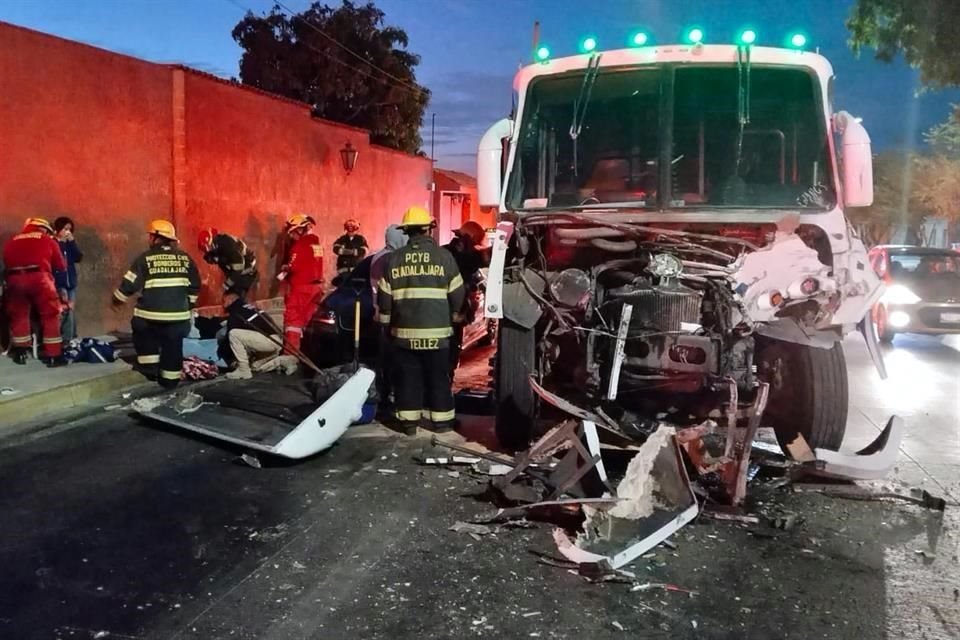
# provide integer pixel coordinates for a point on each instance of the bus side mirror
(856, 160)
(490, 163)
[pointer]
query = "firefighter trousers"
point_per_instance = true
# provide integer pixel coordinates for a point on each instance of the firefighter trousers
(299, 305)
(34, 290)
(422, 387)
(159, 347)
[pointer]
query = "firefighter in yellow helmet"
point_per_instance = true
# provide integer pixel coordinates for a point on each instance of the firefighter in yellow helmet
(168, 283)
(417, 296)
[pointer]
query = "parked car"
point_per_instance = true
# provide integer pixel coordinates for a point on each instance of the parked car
(328, 338)
(923, 290)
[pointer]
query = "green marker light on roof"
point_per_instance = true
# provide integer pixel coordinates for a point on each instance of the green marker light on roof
(748, 36)
(798, 40)
(588, 44)
(695, 35)
(543, 54)
(639, 39)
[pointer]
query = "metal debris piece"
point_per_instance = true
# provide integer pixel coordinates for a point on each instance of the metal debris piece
(471, 529)
(446, 460)
(919, 497)
(617, 626)
(453, 474)
(387, 472)
(656, 500)
(573, 466)
(493, 468)
(786, 521)
(187, 402)
(732, 517)
(250, 460)
(873, 462)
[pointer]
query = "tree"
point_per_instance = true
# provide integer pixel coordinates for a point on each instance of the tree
(895, 200)
(944, 138)
(921, 30)
(344, 62)
(937, 187)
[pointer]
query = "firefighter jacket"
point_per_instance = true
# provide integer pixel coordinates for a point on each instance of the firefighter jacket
(168, 283)
(244, 315)
(350, 251)
(232, 256)
(306, 261)
(418, 294)
(31, 251)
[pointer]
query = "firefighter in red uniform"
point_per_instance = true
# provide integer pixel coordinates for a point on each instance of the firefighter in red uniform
(30, 259)
(303, 273)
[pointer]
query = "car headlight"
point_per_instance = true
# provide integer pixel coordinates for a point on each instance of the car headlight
(899, 294)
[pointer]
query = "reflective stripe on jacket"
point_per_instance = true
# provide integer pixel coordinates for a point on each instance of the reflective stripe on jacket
(168, 283)
(418, 294)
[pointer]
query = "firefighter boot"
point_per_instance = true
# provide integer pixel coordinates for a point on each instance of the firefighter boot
(19, 356)
(56, 361)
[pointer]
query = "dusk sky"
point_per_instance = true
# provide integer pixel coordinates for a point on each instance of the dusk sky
(471, 48)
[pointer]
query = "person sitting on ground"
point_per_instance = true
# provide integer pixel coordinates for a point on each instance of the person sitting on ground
(250, 336)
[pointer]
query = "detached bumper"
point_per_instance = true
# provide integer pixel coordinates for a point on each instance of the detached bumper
(924, 317)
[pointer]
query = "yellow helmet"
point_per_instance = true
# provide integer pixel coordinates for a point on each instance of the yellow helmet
(299, 220)
(416, 217)
(164, 229)
(42, 223)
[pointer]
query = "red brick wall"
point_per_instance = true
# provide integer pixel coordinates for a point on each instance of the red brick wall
(83, 133)
(114, 142)
(252, 161)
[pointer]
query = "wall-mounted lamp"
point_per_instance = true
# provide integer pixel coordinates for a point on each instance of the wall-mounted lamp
(348, 157)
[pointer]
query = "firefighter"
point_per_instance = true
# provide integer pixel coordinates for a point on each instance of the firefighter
(168, 282)
(303, 273)
(233, 256)
(420, 291)
(30, 260)
(350, 248)
(465, 248)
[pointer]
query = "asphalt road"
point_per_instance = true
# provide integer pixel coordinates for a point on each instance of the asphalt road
(116, 529)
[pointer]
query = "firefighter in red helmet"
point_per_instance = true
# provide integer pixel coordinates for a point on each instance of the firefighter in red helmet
(303, 273)
(30, 258)
(350, 248)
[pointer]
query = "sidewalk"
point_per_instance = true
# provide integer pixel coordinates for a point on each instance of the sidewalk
(32, 390)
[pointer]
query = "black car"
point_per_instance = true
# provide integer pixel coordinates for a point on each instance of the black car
(923, 290)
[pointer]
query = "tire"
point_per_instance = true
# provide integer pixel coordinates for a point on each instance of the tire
(516, 403)
(884, 333)
(808, 392)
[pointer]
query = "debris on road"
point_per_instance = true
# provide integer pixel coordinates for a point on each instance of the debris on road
(387, 472)
(8, 391)
(617, 626)
(471, 529)
(919, 497)
(250, 460)
(446, 460)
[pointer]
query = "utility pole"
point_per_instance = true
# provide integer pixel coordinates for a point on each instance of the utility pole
(433, 128)
(536, 40)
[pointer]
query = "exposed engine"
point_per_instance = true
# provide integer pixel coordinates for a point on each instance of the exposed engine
(665, 333)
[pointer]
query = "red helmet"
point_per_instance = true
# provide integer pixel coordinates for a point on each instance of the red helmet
(351, 226)
(205, 239)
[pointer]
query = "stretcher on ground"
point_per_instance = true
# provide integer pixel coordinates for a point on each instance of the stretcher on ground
(268, 414)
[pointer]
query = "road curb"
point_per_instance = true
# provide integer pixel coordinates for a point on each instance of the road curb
(63, 397)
